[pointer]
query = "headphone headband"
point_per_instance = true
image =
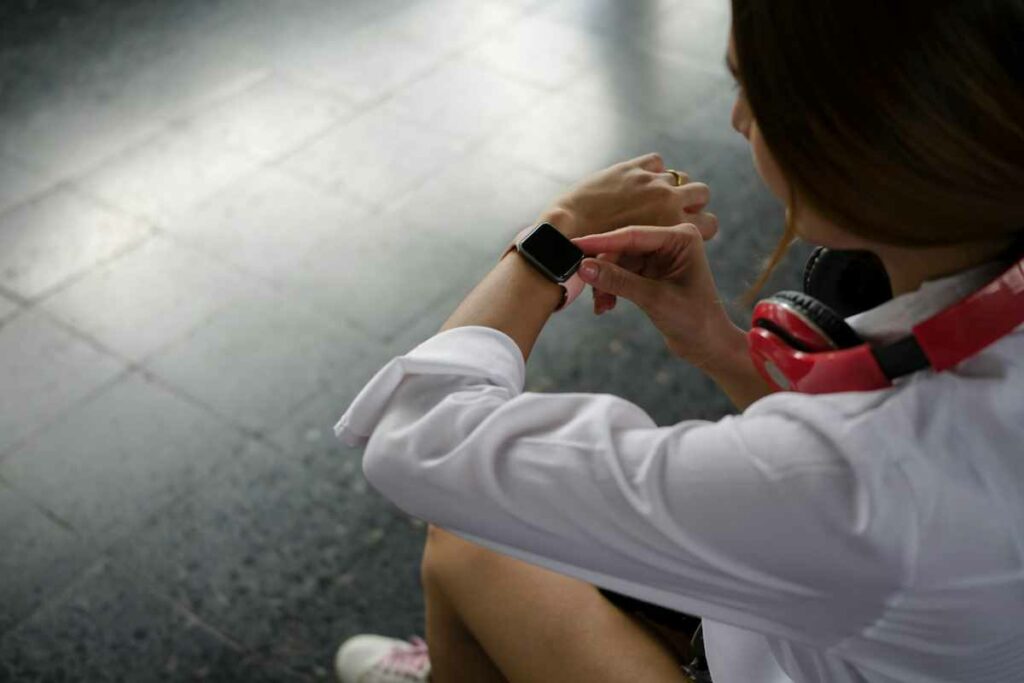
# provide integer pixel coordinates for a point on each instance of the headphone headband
(967, 327)
(796, 344)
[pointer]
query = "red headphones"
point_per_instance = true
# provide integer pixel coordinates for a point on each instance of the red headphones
(799, 343)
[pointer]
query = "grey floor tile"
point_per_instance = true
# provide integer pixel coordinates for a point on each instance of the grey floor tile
(58, 236)
(201, 70)
(632, 21)
(570, 140)
(377, 157)
(311, 427)
(463, 99)
(266, 220)
(103, 45)
(265, 29)
(620, 353)
(287, 553)
(102, 78)
(44, 370)
(271, 117)
(712, 124)
(383, 280)
(427, 323)
(459, 22)
(259, 358)
(482, 200)
(71, 134)
(166, 175)
(651, 86)
(313, 422)
(107, 629)
(148, 298)
(18, 183)
(112, 462)
(354, 64)
(546, 53)
(40, 556)
(692, 31)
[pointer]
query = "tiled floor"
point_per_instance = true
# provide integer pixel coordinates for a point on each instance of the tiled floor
(218, 219)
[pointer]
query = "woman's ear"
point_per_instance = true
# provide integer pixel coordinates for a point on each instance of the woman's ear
(742, 118)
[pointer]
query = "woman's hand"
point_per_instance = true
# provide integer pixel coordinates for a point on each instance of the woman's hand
(665, 272)
(634, 192)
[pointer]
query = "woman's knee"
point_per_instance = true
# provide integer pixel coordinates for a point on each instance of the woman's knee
(446, 556)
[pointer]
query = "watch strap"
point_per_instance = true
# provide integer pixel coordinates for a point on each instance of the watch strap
(571, 288)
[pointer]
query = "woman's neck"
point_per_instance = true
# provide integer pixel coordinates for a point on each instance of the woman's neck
(909, 267)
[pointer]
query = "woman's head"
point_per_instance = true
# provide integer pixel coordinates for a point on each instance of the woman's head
(896, 122)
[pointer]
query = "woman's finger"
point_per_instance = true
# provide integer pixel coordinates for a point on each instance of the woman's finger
(634, 239)
(695, 196)
(707, 224)
(604, 301)
(619, 281)
(651, 162)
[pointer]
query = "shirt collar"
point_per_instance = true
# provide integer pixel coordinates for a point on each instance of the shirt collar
(895, 318)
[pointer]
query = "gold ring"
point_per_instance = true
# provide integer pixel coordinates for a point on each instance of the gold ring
(680, 178)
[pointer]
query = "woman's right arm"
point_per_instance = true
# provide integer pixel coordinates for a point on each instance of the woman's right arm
(665, 272)
(732, 369)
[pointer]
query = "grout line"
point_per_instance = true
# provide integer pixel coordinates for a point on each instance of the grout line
(149, 130)
(274, 286)
(116, 255)
(46, 512)
(122, 532)
(14, 296)
(48, 184)
(129, 367)
(100, 388)
(193, 618)
(90, 569)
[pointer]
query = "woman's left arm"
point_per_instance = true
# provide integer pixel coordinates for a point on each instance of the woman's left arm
(517, 300)
(514, 297)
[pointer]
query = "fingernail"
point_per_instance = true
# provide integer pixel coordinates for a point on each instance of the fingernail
(588, 271)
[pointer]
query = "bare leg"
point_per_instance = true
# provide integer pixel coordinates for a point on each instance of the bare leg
(507, 619)
(454, 653)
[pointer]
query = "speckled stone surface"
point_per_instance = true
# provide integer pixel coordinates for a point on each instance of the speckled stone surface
(218, 218)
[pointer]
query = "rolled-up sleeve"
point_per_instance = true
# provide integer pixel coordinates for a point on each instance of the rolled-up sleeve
(758, 520)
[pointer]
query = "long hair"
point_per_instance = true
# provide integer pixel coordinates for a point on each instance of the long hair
(900, 121)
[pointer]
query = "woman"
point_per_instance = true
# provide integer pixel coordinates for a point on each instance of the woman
(870, 535)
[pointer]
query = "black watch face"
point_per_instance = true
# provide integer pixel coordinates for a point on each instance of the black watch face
(553, 250)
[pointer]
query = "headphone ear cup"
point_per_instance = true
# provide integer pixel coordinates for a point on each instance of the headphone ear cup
(847, 281)
(811, 267)
(826, 329)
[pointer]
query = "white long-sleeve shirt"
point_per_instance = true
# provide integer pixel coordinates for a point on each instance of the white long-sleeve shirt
(860, 536)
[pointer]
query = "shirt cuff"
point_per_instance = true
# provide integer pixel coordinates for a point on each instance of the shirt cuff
(470, 351)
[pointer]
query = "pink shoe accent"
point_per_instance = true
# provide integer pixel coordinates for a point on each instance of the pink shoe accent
(407, 658)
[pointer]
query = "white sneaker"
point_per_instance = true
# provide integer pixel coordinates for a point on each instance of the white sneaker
(376, 659)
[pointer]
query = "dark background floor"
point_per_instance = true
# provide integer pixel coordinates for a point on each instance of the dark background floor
(218, 218)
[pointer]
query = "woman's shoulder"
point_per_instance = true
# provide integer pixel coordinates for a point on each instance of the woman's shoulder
(949, 434)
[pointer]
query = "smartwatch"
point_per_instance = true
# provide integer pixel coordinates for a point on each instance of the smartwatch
(554, 255)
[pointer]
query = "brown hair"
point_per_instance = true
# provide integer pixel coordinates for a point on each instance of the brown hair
(901, 122)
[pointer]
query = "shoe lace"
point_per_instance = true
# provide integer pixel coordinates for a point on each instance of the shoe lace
(407, 658)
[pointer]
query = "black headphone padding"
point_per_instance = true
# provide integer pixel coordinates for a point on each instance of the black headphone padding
(827, 320)
(848, 282)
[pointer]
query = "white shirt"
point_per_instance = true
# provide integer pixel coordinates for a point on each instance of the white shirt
(861, 536)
